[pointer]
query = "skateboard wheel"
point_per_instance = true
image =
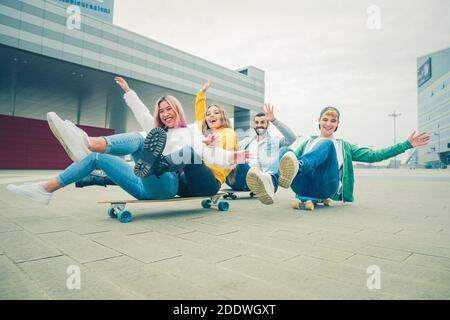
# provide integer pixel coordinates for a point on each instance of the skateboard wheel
(327, 202)
(112, 213)
(233, 197)
(206, 203)
(125, 216)
(297, 205)
(309, 205)
(224, 206)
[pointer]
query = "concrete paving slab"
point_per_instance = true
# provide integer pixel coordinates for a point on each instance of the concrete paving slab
(231, 284)
(205, 251)
(15, 284)
(53, 275)
(145, 252)
(145, 281)
(79, 248)
(6, 226)
(399, 222)
(20, 246)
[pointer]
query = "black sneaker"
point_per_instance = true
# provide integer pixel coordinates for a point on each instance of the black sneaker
(154, 145)
(95, 179)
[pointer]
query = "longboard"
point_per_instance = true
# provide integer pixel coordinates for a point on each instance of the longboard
(231, 194)
(117, 207)
(309, 203)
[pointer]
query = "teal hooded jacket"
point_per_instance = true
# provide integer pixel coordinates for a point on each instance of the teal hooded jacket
(352, 153)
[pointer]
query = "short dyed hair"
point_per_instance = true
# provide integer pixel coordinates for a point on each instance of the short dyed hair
(176, 106)
(330, 109)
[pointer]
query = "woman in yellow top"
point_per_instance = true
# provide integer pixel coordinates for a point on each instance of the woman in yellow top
(206, 179)
(215, 124)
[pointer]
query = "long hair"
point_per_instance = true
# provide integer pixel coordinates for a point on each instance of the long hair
(176, 106)
(226, 123)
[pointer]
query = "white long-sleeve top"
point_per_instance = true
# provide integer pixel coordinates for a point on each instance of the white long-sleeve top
(178, 138)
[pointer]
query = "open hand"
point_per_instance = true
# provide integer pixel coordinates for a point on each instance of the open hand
(418, 140)
(268, 110)
(241, 157)
(206, 86)
(122, 83)
(213, 140)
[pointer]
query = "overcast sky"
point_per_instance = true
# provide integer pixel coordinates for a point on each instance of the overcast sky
(314, 53)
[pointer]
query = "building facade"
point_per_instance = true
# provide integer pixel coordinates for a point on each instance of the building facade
(434, 107)
(56, 58)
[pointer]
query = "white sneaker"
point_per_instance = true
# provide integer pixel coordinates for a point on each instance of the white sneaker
(34, 191)
(288, 170)
(261, 184)
(74, 140)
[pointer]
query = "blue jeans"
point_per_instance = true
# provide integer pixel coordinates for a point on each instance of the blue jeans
(124, 144)
(240, 175)
(148, 188)
(318, 177)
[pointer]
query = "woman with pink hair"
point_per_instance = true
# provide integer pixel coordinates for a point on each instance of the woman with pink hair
(166, 134)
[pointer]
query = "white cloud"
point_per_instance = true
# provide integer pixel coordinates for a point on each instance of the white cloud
(314, 53)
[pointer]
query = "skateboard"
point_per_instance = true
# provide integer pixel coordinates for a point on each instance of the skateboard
(117, 207)
(230, 194)
(309, 203)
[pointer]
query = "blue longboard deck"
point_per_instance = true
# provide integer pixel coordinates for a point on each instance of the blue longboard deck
(308, 203)
(117, 207)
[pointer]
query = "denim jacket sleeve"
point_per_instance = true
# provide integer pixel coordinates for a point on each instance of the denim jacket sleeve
(289, 136)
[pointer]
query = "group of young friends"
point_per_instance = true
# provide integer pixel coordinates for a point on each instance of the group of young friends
(173, 159)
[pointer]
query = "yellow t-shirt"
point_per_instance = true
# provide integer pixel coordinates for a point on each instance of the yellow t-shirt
(227, 136)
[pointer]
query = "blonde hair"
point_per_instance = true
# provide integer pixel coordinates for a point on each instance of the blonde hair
(226, 123)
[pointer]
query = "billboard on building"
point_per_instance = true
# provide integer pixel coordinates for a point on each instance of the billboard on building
(424, 72)
(101, 9)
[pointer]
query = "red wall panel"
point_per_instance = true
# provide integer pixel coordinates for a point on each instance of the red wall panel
(30, 144)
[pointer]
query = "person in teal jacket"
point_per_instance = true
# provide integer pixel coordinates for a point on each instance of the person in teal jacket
(323, 166)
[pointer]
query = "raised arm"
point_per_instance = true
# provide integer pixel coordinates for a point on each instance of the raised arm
(200, 105)
(139, 109)
(289, 136)
(368, 155)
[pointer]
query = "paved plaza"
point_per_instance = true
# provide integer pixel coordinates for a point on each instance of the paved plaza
(399, 225)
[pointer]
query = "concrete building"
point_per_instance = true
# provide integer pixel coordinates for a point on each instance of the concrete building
(434, 106)
(54, 57)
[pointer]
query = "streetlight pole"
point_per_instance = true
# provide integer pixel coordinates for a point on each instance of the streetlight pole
(438, 134)
(395, 115)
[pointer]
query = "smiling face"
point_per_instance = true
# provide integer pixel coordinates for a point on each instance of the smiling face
(328, 124)
(214, 118)
(260, 125)
(167, 115)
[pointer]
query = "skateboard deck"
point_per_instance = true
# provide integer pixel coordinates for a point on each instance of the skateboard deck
(309, 203)
(117, 207)
(231, 194)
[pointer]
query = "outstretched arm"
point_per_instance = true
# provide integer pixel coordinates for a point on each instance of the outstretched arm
(139, 109)
(369, 155)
